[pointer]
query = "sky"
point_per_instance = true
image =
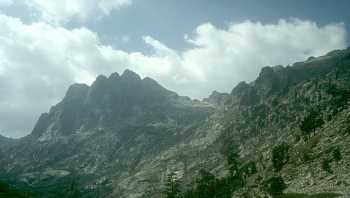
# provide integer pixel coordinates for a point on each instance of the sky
(189, 46)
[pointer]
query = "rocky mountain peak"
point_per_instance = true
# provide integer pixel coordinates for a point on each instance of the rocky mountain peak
(244, 94)
(130, 75)
(114, 75)
(268, 80)
(216, 98)
(106, 101)
(240, 88)
(76, 91)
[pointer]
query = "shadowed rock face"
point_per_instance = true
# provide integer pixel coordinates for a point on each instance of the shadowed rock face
(106, 132)
(111, 103)
(123, 134)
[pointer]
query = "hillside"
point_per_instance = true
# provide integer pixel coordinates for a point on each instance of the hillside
(303, 107)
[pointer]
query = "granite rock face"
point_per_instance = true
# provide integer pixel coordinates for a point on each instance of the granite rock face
(123, 134)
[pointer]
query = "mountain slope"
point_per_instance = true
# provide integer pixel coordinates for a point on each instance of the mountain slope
(283, 99)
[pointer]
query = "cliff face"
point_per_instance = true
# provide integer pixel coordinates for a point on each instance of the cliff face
(122, 135)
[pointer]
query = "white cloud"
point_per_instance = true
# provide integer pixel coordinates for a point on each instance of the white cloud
(39, 61)
(62, 11)
(222, 57)
(238, 52)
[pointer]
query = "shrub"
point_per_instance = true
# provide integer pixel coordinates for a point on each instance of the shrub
(280, 156)
(206, 184)
(306, 156)
(326, 165)
(347, 130)
(310, 123)
(249, 169)
(8, 191)
(233, 162)
(172, 187)
(274, 186)
(337, 154)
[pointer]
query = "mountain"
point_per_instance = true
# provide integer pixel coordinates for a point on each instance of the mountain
(107, 135)
(3, 139)
(6, 142)
(123, 136)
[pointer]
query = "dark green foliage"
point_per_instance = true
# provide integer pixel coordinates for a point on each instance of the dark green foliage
(7, 191)
(65, 189)
(297, 137)
(310, 123)
(329, 117)
(248, 169)
(347, 130)
(337, 154)
(274, 186)
(280, 156)
(208, 186)
(233, 163)
(172, 187)
(306, 156)
(73, 191)
(340, 97)
(326, 165)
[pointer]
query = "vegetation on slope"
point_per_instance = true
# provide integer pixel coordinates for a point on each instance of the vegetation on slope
(7, 191)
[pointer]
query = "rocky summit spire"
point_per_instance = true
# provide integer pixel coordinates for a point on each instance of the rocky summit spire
(114, 75)
(104, 102)
(130, 75)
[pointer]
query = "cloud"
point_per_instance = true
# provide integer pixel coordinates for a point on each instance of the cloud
(62, 11)
(39, 61)
(238, 52)
(220, 58)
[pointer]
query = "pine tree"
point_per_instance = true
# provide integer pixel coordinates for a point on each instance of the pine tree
(233, 163)
(310, 124)
(172, 187)
(206, 184)
(275, 186)
(280, 156)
